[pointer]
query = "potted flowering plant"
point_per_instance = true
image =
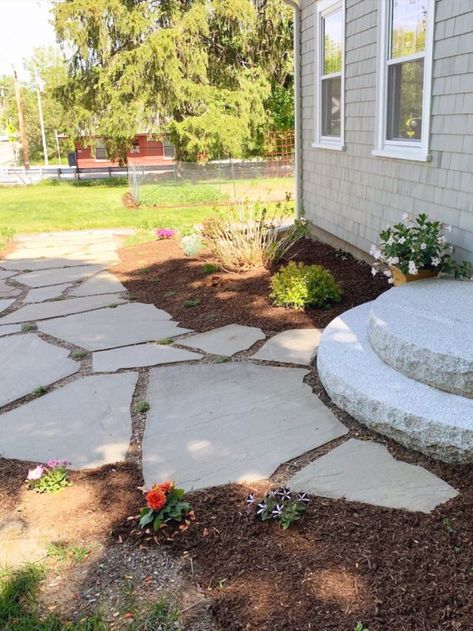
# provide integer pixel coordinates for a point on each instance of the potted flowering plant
(415, 249)
(164, 504)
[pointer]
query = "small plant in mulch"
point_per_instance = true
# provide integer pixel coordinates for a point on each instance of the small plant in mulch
(165, 505)
(298, 285)
(192, 302)
(49, 478)
(192, 244)
(281, 505)
(360, 627)
(165, 341)
(210, 268)
(163, 234)
(79, 354)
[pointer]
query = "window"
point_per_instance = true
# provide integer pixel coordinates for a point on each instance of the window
(405, 78)
(330, 30)
(100, 149)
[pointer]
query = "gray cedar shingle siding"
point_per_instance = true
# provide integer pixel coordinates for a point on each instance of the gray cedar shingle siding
(352, 194)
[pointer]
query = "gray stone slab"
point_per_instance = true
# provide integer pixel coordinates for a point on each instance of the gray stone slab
(8, 329)
(43, 278)
(26, 362)
(86, 421)
(415, 329)
(296, 346)
(5, 273)
(46, 293)
(138, 356)
(102, 283)
(211, 424)
(226, 340)
(4, 304)
(7, 291)
(437, 423)
(45, 310)
(128, 324)
(365, 471)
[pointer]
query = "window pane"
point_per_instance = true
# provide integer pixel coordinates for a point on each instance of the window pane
(331, 106)
(405, 87)
(409, 24)
(333, 46)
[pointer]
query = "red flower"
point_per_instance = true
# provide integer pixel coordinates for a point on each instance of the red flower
(155, 498)
(167, 486)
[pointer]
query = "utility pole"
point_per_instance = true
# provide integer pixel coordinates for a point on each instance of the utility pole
(41, 118)
(21, 121)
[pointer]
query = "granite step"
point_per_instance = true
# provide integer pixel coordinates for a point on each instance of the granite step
(424, 329)
(437, 423)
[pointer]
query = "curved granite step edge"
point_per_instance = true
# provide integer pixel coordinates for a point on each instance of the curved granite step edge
(419, 342)
(416, 415)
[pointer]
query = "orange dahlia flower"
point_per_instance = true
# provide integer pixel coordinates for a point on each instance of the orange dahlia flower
(167, 486)
(155, 498)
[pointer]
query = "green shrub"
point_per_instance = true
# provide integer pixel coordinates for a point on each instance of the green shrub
(297, 286)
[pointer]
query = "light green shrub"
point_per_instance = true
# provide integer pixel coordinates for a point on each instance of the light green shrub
(297, 286)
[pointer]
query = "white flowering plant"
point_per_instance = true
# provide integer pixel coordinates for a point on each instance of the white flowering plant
(415, 244)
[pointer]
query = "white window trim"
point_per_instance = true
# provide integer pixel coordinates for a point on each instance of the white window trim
(404, 150)
(324, 8)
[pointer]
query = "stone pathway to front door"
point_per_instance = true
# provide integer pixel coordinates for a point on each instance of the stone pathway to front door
(225, 406)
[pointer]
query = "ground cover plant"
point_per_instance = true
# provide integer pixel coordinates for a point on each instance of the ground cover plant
(49, 478)
(165, 504)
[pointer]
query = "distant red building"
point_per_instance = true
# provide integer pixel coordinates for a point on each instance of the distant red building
(146, 150)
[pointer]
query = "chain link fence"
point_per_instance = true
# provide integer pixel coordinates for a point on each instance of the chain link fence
(215, 184)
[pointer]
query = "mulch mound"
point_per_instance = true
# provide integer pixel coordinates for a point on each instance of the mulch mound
(159, 273)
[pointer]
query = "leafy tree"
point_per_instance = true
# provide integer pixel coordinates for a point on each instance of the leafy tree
(201, 71)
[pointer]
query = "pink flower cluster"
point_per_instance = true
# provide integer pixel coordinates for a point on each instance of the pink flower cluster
(37, 472)
(165, 233)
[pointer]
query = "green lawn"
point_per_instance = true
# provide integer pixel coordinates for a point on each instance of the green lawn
(54, 206)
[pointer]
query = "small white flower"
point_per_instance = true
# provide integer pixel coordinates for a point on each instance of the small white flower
(392, 260)
(390, 281)
(435, 261)
(447, 228)
(423, 246)
(374, 271)
(413, 268)
(441, 239)
(390, 241)
(375, 252)
(401, 240)
(388, 273)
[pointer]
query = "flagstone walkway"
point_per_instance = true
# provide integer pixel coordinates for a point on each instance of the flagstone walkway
(227, 405)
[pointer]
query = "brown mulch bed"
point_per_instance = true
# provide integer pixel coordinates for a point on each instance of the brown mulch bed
(343, 563)
(158, 273)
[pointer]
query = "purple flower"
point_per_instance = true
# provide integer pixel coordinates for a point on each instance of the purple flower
(53, 464)
(302, 497)
(165, 233)
(277, 511)
(261, 509)
(35, 474)
(250, 499)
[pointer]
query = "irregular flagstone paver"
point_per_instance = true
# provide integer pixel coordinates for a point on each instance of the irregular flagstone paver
(5, 273)
(26, 362)
(226, 340)
(4, 304)
(296, 346)
(211, 424)
(102, 283)
(7, 291)
(45, 277)
(45, 293)
(8, 329)
(365, 471)
(140, 355)
(132, 323)
(45, 310)
(87, 422)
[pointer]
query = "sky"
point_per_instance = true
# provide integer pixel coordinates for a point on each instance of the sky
(24, 25)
